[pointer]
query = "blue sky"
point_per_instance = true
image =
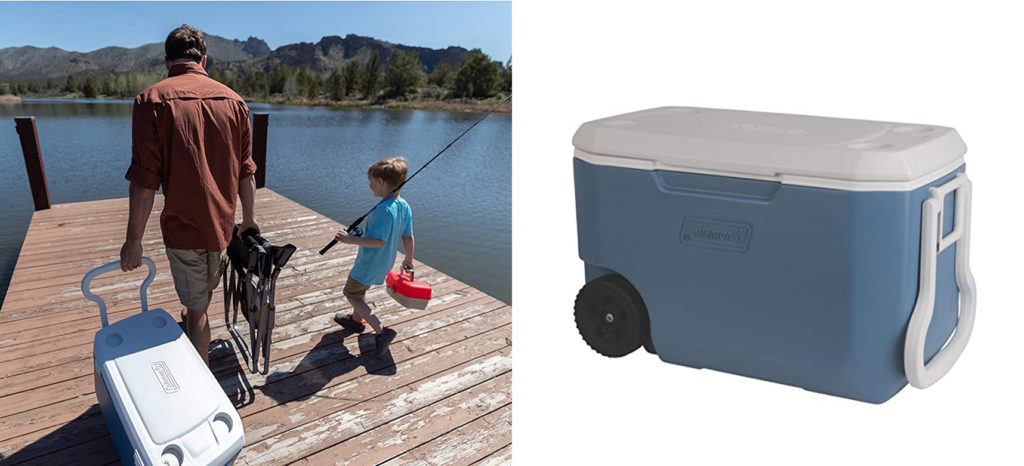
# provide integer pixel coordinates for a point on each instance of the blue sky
(87, 26)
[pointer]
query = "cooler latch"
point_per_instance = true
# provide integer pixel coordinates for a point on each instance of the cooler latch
(919, 374)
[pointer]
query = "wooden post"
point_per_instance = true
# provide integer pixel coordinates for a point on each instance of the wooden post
(26, 127)
(259, 147)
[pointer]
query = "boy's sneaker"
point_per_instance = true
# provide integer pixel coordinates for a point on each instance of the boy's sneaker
(349, 321)
(383, 339)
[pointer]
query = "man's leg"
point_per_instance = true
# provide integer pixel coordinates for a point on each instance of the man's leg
(199, 332)
(184, 319)
(196, 273)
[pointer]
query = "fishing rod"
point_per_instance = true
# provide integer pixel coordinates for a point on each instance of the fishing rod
(354, 227)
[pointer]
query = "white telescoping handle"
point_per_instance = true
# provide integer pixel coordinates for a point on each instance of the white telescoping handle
(919, 374)
(116, 265)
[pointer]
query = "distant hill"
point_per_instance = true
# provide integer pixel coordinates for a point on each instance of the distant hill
(26, 64)
(21, 64)
(333, 51)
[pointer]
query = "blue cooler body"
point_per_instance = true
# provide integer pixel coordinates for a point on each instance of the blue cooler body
(783, 247)
(161, 403)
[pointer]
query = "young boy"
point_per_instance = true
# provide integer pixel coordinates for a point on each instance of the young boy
(389, 221)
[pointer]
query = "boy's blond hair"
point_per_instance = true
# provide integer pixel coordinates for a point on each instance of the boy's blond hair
(392, 170)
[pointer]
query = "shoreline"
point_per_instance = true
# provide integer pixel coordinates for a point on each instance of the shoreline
(452, 105)
(9, 99)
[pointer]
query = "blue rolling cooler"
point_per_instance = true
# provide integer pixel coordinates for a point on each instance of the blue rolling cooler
(824, 253)
(159, 400)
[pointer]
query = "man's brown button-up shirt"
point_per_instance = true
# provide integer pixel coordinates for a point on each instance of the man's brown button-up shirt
(190, 134)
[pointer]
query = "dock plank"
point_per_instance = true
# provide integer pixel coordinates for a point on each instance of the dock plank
(325, 400)
(463, 445)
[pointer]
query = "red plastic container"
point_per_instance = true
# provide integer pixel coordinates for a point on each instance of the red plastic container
(407, 291)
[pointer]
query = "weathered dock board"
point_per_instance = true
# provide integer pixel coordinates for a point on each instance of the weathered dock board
(442, 396)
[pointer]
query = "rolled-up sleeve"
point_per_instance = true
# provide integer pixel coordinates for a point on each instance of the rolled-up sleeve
(248, 166)
(146, 169)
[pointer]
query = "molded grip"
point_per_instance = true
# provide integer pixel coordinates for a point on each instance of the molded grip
(109, 267)
(919, 374)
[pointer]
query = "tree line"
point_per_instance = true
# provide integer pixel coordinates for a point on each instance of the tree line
(119, 85)
(476, 77)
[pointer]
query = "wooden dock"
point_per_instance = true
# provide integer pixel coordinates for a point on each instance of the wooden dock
(442, 396)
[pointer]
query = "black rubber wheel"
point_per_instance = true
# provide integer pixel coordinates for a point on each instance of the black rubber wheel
(611, 316)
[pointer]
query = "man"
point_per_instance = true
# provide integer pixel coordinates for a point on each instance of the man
(190, 135)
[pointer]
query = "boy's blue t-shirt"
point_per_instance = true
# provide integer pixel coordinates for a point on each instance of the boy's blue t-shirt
(389, 221)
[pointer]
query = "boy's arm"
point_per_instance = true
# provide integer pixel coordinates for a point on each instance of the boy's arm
(410, 244)
(363, 241)
(377, 227)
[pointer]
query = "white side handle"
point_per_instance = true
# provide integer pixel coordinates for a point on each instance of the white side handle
(116, 265)
(932, 243)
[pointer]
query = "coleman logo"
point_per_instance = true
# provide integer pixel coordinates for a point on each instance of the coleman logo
(715, 234)
(164, 376)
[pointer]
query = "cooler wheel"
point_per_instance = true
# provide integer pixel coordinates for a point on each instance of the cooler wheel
(611, 316)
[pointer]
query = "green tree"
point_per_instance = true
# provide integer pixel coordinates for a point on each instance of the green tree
(442, 75)
(91, 89)
(107, 88)
(121, 86)
(244, 86)
(136, 83)
(336, 85)
(307, 84)
(231, 82)
(314, 85)
(350, 75)
(505, 81)
(33, 87)
(370, 78)
(70, 85)
(255, 84)
(477, 76)
(261, 86)
(404, 74)
(279, 79)
(302, 80)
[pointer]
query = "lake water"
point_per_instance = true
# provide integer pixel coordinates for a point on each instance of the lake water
(316, 156)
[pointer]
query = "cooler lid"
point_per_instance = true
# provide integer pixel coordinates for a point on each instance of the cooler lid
(161, 371)
(793, 149)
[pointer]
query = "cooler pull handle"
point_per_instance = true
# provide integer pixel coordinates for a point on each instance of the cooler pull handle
(919, 374)
(116, 265)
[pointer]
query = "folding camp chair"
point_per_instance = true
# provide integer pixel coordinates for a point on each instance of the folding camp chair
(250, 280)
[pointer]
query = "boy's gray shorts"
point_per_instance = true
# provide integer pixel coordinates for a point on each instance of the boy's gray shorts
(196, 272)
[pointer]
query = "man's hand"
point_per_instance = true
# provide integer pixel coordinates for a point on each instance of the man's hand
(131, 255)
(407, 263)
(246, 225)
(140, 204)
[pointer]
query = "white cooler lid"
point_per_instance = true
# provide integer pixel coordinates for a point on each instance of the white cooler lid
(835, 153)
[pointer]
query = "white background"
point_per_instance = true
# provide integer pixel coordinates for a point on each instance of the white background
(956, 66)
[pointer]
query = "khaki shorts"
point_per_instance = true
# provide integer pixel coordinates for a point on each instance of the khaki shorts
(196, 272)
(354, 289)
